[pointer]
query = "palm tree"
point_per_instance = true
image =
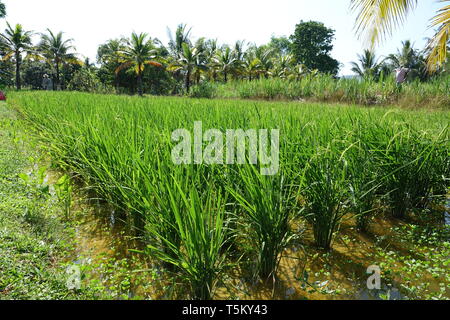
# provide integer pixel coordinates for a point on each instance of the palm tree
(376, 19)
(109, 53)
(407, 56)
(298, 72)
(138, 52)
(265, 55)
(368, 66)
(16, 41)
(410, 58)
(188, 60)
(283, 65)
(182, 35)
(251, 65)
(201, 64)
(225, 61)
(56, 51)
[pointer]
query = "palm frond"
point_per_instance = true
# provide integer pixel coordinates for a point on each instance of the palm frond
(437, 46)
(377, 19)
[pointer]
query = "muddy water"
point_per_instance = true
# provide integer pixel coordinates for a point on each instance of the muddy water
(105, 236)
(105, 241)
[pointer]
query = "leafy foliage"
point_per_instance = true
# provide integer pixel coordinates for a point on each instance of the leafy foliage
(311, 45)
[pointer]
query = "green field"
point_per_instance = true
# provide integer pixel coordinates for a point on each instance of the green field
(340, 167)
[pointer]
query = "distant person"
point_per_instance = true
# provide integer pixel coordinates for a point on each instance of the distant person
(400, 75)
(47, 83)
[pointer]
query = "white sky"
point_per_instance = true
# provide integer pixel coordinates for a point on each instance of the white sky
(92, 22)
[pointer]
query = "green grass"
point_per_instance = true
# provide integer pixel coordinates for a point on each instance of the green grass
(121, 147)
(34, 241)
(321, 88)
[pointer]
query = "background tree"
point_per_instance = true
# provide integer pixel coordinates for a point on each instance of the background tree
(176, 41)
(283, 66)
(410, 58)
(137, 54)
(56, 51)
(367, 65)
(187, 61)
(108, 55)
(281, 45)
(377, 19)
(33, 72)
(15, 42)
(311, 45)
(251, 65)
(85, 80)
(226, 61)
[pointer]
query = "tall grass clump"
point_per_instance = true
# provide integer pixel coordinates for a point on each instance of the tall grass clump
(415, 168)
(325, 193)
(323, 88)
(269, 206)
(364, 177)
(201, 228)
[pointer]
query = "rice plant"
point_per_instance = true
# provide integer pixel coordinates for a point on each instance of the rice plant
(325, 193)
(343, 159)
(201, 228)
(269, 206)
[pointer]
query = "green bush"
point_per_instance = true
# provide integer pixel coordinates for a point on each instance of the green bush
(203, 90)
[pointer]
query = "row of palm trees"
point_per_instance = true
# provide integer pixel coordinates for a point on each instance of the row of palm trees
(192, 62)
(188, 62)
(369, 66)
(16, 44)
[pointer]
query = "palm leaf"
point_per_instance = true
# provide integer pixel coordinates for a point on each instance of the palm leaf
(437, 47)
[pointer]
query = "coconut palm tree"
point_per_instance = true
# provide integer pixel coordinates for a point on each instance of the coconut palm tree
(376, 19)
(57, 51)
(410, 58)
(176, 41)
(201, 62)
(189, 59)
(138, 53)
(368, 66)
(225, 61)
(299, 71)
(283, 65)
(265, 56)
(251, 65)
(211, 51)
(109, 54)
(15, 42)
(407, 56)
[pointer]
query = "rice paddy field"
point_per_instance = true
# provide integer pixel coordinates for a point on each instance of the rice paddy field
(356, 186)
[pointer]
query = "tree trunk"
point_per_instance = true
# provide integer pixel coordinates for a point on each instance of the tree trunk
(225, 76)
(18, 82)
(139, 80)
(188, 80)
(116, 81)
(58, 86)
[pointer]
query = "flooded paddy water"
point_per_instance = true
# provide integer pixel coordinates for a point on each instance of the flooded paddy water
(107, 245)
